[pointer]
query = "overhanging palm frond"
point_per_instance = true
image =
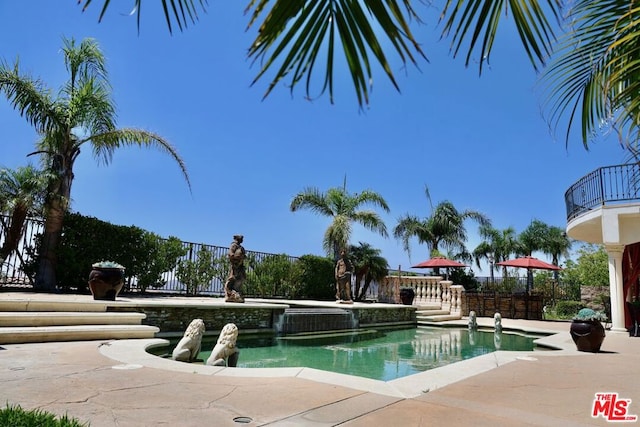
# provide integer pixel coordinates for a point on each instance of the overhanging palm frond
(476, 21)
(104, 144)
(182, 11)
(295, 34)
(594, 76)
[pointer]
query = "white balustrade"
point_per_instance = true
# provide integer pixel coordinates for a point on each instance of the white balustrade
(429, 290)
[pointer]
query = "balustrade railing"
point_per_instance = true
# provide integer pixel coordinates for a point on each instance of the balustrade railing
(428, 291)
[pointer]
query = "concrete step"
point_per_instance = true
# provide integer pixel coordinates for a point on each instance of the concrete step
(431, 312)
(428, 306)
(437, 318)
(61, 318)
(17, 335)
(31, 305)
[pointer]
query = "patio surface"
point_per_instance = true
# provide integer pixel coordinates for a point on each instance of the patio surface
(114, 383)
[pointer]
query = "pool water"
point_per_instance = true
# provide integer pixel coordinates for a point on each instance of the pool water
(379, 355)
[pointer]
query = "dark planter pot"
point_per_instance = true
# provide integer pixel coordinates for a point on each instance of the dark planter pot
(406, 296)
(106, 283)
(587, 335)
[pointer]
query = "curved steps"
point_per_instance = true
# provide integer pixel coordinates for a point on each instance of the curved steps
(28, 321)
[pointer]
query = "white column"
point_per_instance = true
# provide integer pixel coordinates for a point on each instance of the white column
(616, 287)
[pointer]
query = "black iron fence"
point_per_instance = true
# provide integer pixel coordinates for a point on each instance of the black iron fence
(13, 276)
(606, 185)
(260, 272)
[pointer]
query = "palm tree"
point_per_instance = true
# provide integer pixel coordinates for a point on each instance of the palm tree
(593, 68)
(443, 229)
(22, 193)
(82, 114)
(369, 266)
(556, 244)
(343, 208)
(532, 239)
(497, 246)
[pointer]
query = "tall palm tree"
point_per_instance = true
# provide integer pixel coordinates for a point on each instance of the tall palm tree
(343, 208)
(443, 229)
(556, 244)
(498, 245)
(82, 114)
(22, 193)
(369, 266)
(592, 76)
(532, 239)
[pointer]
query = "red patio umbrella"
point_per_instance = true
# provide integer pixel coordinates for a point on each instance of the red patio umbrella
(439, 262)
(530, 263)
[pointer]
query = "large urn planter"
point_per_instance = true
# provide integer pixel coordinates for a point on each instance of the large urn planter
(587, 331)
(407, 295)
(106, 280)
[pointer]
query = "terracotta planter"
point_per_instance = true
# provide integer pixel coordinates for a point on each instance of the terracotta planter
(587, 335)
(106, 283)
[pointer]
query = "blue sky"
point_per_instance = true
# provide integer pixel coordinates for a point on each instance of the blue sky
(479, 142)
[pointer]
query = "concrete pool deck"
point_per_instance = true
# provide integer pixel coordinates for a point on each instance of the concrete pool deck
(115, 383)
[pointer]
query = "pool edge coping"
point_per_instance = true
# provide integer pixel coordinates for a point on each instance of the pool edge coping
(133, 353)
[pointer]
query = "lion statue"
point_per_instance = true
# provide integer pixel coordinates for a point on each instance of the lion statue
(497, 320)
(473, 323)
(225, 352)
(189, 346)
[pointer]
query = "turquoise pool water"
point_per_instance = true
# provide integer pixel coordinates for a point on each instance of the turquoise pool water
(379, 355)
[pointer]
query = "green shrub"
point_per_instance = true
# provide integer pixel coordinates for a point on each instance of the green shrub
(162, 255)
(15, 416)
(274, 275)
(196, 275)
(567, 309)
(317, 277)
(86, 240)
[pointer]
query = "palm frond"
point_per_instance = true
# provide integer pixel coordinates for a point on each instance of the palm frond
(104, 144)
(294, 34)
(30, 97)
(476, 23)
(593, 78)
(182, 12)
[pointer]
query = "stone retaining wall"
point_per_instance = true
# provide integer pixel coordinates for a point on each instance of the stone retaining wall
(174, 319)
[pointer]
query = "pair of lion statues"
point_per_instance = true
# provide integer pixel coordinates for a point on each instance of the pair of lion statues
(224, 353)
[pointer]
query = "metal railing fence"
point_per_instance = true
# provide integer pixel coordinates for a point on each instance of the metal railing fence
(606, 185)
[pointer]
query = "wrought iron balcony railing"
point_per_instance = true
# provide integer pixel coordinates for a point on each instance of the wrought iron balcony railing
(606, 185)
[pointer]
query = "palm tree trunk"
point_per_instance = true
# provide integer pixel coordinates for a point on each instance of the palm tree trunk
(14, 233)
(56, 209)
(46, 274)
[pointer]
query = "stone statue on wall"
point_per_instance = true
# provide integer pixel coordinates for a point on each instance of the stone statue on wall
(189, 346)
(343, 271)
(225, 352)
(237, 273)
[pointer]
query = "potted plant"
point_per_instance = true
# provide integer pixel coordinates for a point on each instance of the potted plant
(407, 295)
(106, 280)
(587, 331)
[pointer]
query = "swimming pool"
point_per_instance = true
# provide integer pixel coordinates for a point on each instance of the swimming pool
(376, 354)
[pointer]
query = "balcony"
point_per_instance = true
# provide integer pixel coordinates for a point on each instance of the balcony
(603, 207)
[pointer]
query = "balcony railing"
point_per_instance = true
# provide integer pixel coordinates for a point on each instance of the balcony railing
(606, 185)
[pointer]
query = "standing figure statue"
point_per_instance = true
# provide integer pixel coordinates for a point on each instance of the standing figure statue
(344, 269)
(237, 274)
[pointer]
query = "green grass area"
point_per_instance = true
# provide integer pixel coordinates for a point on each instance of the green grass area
(15, 416)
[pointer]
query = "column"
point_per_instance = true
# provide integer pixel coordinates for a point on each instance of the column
(616, 287)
